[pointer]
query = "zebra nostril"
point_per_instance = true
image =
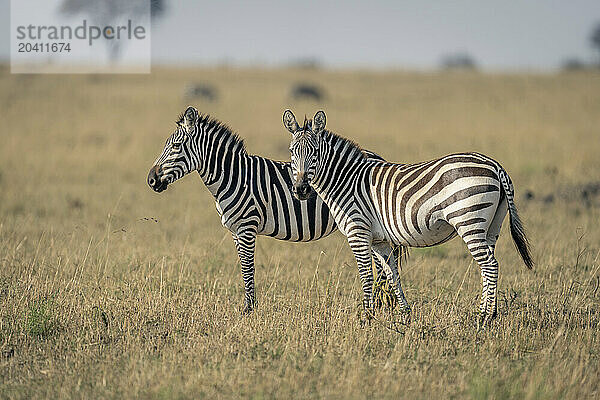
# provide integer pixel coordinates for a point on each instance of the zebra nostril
(152, 181)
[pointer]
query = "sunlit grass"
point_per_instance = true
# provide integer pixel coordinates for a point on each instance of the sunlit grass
(108, 290)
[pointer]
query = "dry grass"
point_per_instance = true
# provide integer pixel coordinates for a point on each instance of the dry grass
(98, 300)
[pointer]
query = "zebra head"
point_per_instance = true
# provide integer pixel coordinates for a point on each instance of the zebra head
(180, 155)
(304, 150)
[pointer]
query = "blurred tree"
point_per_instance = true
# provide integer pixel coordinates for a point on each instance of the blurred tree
(105, 12)
(458, 61)
(595, 40)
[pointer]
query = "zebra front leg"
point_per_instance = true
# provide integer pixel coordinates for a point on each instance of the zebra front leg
(381, 275)
(245, 241)
(361, 248)
(389, 258)
(381, 278)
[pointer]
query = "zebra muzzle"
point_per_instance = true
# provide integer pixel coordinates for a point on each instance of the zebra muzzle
(302, 190)
(154, 180)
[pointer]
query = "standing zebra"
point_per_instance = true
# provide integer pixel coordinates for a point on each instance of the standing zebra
(376, 203)
(252, 194)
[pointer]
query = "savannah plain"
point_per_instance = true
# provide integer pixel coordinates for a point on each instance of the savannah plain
(109, 290)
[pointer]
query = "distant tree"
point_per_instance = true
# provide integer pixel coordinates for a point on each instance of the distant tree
(458, 61)
(595, 40)
(105, 12)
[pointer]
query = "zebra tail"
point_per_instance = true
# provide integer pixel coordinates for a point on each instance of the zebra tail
(517, 230)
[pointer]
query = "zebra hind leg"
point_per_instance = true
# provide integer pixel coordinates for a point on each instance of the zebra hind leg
(488, 264)
(245, 241)
(479, 231)
(483, 254)
(489, 269)
(493, 232)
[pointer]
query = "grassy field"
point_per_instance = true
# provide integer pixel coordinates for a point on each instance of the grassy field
(109, 290)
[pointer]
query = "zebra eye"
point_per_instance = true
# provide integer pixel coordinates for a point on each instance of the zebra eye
(176, 146)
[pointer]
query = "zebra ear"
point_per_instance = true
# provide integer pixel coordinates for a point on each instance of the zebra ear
(190, 118)
(319, 121)
(289, 121)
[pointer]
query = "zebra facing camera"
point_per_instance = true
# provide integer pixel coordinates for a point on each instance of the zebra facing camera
(303, 191)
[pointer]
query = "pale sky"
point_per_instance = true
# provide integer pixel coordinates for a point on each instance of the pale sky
(531, 35)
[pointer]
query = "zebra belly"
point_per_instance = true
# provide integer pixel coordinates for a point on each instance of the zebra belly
(297, 221)
(439, 232)
(378, 233)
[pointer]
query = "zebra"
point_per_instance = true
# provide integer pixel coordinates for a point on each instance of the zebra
(376, 203)
(252, 194)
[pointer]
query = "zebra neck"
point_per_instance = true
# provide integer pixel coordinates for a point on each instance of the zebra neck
(340, 164)
(224, 162)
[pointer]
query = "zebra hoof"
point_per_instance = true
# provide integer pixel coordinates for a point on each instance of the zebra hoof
(365, 315)
(365, 321)
(483, 322)
(494, 315)
(405, 315)
(405, 309)
(248, 308)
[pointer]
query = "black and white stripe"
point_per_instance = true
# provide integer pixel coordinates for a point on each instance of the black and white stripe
(252, 194)
(376, 203)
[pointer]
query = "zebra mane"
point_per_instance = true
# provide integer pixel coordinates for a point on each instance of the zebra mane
(218, 130)
(334, 138)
